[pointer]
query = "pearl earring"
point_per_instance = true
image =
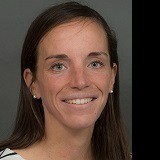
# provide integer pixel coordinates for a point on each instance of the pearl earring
(111, 91)
(34, 96)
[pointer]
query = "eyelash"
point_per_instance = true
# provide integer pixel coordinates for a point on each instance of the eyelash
(97, 62)
(64, 67)
(58, 65)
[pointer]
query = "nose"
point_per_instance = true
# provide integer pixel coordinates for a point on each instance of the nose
(79, 79)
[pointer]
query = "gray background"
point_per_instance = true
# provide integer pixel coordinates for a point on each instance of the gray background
(15, 18)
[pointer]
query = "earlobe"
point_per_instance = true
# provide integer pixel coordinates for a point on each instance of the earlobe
(29, 80)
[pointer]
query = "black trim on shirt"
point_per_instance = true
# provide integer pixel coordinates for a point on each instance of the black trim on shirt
(10, 154)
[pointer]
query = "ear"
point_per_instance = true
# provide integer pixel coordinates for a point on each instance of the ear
(31, 83)
(113, 75)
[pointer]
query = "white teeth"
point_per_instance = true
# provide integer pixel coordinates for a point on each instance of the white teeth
(79, 101)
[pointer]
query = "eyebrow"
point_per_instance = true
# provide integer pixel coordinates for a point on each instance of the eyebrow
(64, 56)
(58, 56)
(95, 54)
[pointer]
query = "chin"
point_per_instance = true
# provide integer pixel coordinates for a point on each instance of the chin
(81, 123)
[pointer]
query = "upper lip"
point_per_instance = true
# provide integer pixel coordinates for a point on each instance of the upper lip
(79, 96)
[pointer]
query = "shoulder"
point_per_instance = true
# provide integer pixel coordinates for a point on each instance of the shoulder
(8, 154)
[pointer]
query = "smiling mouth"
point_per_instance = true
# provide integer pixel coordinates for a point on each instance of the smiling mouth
(80, 101)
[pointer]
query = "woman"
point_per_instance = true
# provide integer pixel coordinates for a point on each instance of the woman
(69, 97)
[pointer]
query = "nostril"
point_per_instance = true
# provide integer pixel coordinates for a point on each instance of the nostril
(79, 80)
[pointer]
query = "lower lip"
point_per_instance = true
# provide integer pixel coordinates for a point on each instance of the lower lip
(80, 106)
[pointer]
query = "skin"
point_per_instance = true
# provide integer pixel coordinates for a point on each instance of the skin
(73, 63)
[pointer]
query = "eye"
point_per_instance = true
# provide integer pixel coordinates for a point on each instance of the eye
(58, 67)
(96, 64)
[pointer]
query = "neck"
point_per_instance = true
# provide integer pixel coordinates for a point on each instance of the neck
(62, 142)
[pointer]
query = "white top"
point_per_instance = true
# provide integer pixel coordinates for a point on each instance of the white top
(8, 154)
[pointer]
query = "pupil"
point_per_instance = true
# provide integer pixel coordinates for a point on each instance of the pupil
(59, 67)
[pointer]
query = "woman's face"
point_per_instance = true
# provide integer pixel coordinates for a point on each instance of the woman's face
(74, 76)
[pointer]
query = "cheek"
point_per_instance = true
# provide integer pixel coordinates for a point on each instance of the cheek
(102, 81)
(51, 85)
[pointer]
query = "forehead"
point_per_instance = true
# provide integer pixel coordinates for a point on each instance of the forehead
(76, 25)
(80, 34)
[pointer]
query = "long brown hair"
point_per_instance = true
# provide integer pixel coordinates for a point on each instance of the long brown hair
(109, 140)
